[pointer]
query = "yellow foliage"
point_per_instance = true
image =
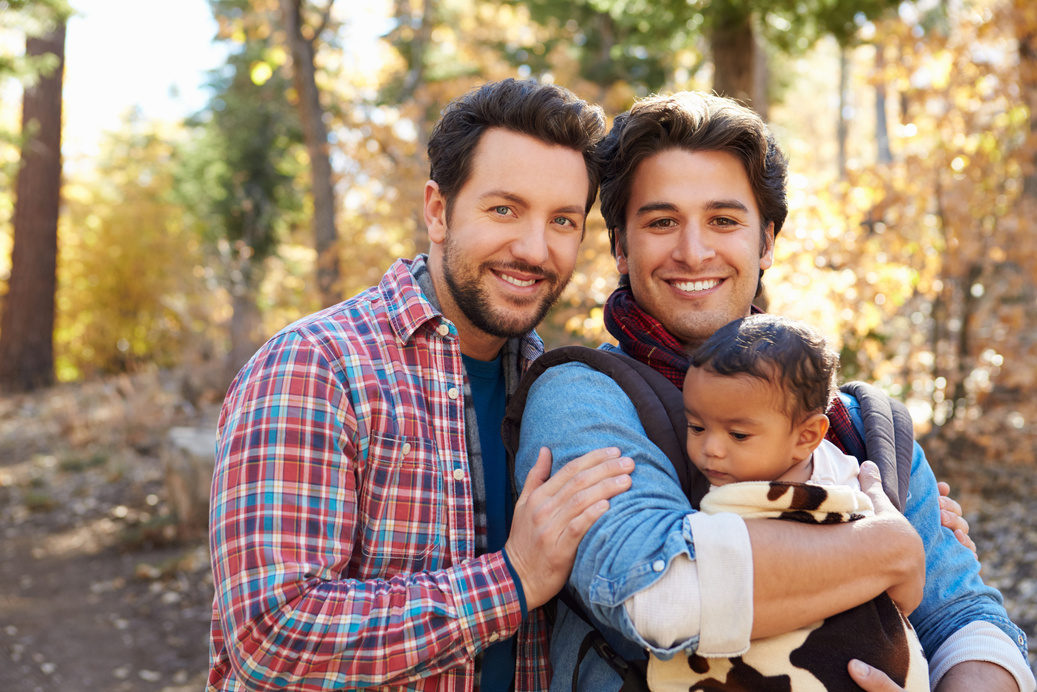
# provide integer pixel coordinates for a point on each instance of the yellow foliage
(260, 72)
(125, 286)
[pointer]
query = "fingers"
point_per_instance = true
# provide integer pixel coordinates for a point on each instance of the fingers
(871, 679)
(951, 514)
(951, 505)
(590, 462)
(580, 484)
(950, 511)
(581, 489)
(954, 522)
(952, 517)
(964, 539)
(871, 483)
(555, 511)
(946, 501)
(538, 475)
(868, 475)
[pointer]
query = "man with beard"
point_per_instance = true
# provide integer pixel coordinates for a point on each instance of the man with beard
(362, 527)
(693, 191)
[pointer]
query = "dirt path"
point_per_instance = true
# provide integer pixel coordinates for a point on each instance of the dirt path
(86, 622)
(96, 594)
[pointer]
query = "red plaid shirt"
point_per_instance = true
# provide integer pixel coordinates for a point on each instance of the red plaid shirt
(342, 528)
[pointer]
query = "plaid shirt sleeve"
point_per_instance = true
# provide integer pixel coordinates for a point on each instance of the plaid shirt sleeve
(308, 596)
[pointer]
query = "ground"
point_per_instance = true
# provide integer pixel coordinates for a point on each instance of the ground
(97, 590)
(99, 593)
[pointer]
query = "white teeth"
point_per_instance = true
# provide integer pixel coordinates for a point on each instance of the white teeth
(692, 286)
(517, 282)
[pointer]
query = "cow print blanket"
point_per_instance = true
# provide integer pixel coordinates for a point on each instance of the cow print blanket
(815, 657)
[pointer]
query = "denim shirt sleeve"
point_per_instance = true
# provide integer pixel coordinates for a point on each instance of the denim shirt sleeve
(954, 594)
(573, 409)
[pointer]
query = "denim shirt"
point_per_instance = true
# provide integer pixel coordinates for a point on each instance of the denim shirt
(574, 409)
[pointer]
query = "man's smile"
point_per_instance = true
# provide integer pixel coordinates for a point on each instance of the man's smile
(695, 286)
(515, 281)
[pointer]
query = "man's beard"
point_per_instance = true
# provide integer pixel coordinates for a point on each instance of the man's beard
(475, 304)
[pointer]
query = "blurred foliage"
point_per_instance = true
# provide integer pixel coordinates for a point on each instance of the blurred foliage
(242, 181)
(668, 44)
(21, 19)
(128, 294)
(925, 265)
(922, 268)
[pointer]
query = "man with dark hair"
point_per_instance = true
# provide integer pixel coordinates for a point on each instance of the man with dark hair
(693, 194)
(362, 527)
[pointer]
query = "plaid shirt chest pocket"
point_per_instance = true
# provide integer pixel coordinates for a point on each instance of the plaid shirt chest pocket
(401, 506)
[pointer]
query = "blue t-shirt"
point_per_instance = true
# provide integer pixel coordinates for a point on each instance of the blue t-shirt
(488, 393)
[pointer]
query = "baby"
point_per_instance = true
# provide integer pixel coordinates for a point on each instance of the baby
(755, 398)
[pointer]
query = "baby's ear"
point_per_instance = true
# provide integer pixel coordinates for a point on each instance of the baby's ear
(810, 433)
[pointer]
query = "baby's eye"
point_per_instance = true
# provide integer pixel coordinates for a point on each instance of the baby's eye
(695, 429)
(741, 437)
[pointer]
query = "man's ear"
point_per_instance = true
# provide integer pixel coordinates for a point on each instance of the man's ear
(767, 253)
(621, 258)
(435, 212)
(809, 434)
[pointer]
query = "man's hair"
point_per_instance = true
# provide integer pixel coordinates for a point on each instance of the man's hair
(690, 121)
(548, 112)
(788, 354)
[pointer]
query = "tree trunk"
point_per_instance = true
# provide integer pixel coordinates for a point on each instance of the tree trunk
(883, 153)
(411, 91)
(27, 324)
(841, 123)
(311, 113)
(739, 62)
(1026, 26)
(244, 327)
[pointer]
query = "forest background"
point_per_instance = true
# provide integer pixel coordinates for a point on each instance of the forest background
(182, 245)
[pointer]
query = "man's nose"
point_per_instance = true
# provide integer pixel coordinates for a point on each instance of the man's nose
(693, 246)
(530, 245)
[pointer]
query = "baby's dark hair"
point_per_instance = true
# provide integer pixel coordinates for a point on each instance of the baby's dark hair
(784, 352)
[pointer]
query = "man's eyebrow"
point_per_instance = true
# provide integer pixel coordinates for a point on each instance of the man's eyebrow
(655, 206)
(714, 205)
(505, 195)
(522, 202)
(721, 204)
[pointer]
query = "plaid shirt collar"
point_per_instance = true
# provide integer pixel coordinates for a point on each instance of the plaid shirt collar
(406, 303)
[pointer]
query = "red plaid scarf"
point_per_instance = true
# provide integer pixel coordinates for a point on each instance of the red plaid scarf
(644, 338)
